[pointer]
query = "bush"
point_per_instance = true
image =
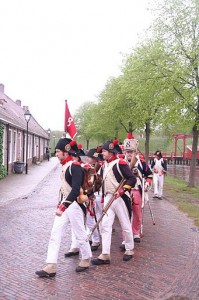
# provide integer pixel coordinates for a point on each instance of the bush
(3, 172)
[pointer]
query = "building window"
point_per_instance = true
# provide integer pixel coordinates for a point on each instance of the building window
(19, 149)
(4, 143)
(10, 146)
(29, 146)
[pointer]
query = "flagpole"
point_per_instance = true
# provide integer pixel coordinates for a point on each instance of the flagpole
(65, 127)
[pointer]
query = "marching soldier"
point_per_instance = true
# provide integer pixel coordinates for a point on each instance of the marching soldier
(74, 247)
(91, 162)
(114, 170)
(159, 167)
(68, 211)
(142, 171)
(95, 201)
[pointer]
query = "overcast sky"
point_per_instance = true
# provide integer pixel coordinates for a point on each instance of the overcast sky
(52, 51)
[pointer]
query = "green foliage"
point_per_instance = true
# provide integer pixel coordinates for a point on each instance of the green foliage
(178, 31)
(3, 171)
(158, 88)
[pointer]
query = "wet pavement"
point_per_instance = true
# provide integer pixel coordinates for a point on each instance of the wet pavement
(166, 262)
(182, 172)
(21, 185)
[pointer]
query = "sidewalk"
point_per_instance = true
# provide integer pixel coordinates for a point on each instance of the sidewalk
(19, 185)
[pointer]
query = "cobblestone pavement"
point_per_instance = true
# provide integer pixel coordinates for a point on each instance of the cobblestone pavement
(166, 261)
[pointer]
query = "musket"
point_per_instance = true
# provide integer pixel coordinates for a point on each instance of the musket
(151, 212)
(111, 200)
(142, 207)
(105, 209)
(143, 202)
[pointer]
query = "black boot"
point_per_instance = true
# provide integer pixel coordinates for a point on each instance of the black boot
(69, 254)
(44, 274)
(137, 240)
(81, 269)
(127, 257)
(98, 262)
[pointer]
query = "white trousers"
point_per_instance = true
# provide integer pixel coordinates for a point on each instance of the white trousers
(75, 216)
(119, 209)
(98, 204)
(90, 223)
(158, 181)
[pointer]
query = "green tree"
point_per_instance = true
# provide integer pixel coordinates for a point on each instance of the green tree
(178, 31)
(145, 87)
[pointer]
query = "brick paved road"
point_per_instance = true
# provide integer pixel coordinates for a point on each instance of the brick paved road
(166, 261)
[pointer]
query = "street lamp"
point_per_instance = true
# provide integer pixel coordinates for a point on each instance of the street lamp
(54, 141)
(48, 145)
(49, 131)
(27, 116)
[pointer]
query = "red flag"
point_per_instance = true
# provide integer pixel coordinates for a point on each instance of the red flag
(69, 124)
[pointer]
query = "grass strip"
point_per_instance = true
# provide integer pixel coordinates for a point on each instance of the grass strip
(184, 197)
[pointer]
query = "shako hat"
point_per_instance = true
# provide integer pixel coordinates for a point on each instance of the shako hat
(130, 143)
(81, 151)
(158, 153)
(93, 153)
(112, 146)
(61, 144)
(72, 148)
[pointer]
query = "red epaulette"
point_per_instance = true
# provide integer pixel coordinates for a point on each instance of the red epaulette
(122, 162)
(121, 155)
(142, 158)
(76, 163)
(165, 159)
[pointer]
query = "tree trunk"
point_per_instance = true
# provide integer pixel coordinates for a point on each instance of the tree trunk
(147, 131)
(193, 160)
(87, 144)
(130, 128)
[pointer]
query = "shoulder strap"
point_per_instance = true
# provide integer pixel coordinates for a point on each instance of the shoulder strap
(70, 167)
(118, 169)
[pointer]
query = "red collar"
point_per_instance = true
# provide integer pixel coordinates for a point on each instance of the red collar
(113, 157)
(65, 160)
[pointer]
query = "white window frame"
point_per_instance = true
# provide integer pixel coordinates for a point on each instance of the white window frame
(10, 145)
(14, 145)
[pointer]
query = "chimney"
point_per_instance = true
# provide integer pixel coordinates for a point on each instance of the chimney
(18, 102)
(1, 88)
(25, 108)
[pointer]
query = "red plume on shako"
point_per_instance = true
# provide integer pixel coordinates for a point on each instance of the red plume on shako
(81, 151)
(79, 146)
(72, 143)
(130, 136)
(115, 142)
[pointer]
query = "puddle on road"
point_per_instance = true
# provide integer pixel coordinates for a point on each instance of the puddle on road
(182, 172)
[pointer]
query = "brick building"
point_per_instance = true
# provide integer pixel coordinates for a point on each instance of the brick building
(15, 138)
